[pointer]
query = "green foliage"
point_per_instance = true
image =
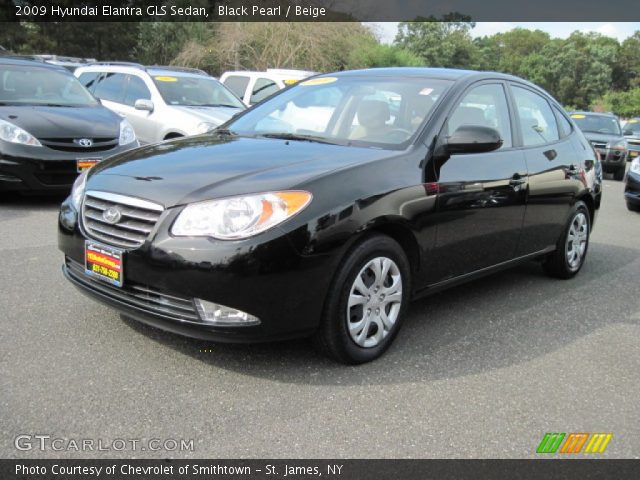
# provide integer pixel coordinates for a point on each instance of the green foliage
(160, 42)
(440, 44)
(625, 104)
(379, 55)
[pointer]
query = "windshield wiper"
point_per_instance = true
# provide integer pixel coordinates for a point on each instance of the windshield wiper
(225, 132)
(214, 105)
(295, 136)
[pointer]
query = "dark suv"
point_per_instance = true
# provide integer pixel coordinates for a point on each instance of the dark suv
(632, 134)
(604, 132)
(51, 127)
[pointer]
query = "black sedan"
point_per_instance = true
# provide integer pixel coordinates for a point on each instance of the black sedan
(324, 210)
(51, 128)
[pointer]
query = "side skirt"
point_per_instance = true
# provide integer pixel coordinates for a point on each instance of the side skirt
(450, 282)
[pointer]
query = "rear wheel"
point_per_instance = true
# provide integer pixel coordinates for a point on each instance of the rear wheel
(366, 303)
(634, 207)
(619, 174)
(571, 250)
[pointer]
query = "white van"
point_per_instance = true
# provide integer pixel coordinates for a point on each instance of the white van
(253, 87)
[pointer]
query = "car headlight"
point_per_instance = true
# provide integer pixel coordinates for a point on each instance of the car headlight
(617, 145)
(77, 191)
(635, 166)
(14, 134)
(205, 127)
(127, 134)
(239, 217)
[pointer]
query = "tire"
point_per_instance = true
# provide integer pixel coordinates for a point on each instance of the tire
(356, 299)
(619, 174)
(633, 207)
(567, 259)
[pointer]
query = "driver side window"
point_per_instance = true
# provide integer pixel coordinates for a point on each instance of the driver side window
(486, 106)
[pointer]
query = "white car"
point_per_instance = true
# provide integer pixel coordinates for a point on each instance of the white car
(161, 102)
(253, 87)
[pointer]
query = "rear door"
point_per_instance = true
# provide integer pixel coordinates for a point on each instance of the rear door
(554, 171)
(481, 200)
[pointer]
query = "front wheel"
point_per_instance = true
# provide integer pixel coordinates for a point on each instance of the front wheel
(366, 302)
(571, 249)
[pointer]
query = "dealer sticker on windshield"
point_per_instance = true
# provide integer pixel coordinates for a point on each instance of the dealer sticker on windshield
(103, 263)
(318, 81)
(83, 164)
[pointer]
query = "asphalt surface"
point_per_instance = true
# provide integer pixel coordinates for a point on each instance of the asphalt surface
(482, 370)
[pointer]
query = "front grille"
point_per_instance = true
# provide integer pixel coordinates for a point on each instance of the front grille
(140, 297)
(71, 144)
(137, 218)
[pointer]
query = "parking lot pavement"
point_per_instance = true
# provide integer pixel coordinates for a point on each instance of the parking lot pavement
(483, 370)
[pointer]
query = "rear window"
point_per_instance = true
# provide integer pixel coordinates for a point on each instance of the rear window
(262, 89)
(237, 84)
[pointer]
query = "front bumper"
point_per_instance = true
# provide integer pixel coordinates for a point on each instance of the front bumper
(634, 149)
(42, 169)
(612, 160)
(265, 276)
(632, 188)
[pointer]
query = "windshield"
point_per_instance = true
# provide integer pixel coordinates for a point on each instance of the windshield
(24, 85)
(597, 123)
(359, 110)
(194, 91)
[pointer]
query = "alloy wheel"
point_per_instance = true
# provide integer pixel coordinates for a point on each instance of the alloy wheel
(577, 238)
(374, 302)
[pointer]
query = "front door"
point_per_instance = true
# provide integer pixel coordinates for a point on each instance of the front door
(481, 199)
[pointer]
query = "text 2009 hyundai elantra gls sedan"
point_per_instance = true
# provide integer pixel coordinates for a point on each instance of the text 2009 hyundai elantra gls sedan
(323, 211)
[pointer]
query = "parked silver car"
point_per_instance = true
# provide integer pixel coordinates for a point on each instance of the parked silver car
(161, 102)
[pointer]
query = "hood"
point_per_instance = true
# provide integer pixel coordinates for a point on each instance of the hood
(210, 166)
(601, 137)
(64, 122)
(217, 115)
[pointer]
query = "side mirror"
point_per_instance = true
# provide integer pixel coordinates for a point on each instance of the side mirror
(473, 139)
(142, 104)
(628, 133)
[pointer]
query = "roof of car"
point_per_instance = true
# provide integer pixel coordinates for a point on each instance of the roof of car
(444, 73)
(129, 67)
(30, 63)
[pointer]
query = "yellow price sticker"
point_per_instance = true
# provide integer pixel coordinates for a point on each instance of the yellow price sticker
(577, 115)
(318, 81)
(166, 79)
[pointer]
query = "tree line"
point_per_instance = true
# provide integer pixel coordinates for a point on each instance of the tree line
(583, 71)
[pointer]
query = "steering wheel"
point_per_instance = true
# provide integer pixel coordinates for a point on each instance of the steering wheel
(400, 134)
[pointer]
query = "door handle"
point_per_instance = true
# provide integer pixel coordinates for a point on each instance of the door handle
(517, 180)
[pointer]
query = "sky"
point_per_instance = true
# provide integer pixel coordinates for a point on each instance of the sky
(620, 30)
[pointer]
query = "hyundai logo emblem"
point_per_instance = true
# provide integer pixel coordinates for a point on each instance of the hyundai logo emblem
(84, 142)
(112, 215)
